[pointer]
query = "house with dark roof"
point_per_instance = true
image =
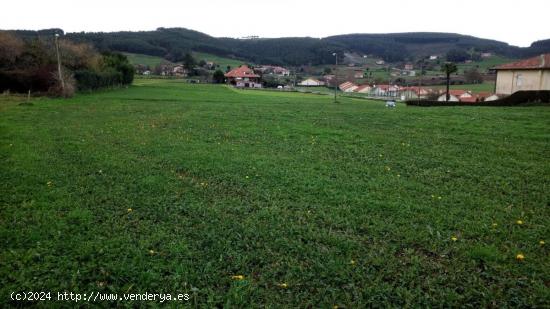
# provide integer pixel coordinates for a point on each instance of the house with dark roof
(528, 74)
(243, 77)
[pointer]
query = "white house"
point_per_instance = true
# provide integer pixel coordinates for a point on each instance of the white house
(493, 97)
(311, 82)
(455, 95)
(385, 90)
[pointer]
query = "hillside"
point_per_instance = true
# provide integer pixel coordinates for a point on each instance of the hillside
(171, 43)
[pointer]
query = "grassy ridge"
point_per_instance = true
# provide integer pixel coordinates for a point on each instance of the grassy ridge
(176, 188)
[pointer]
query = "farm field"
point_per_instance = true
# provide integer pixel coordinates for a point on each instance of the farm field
(223, 62)
(150, 61)
(268, 199)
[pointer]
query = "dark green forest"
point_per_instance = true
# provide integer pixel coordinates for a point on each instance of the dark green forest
(174, 43)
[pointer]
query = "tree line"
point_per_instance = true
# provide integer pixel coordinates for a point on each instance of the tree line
(31, 64)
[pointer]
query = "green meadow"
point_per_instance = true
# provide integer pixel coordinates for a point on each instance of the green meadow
(150, 61)
(268, 199)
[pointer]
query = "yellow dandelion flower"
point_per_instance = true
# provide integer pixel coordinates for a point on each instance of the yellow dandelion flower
(398, 175)
(151, 252)
(433, 196)
(520, 257)
(246, 176)
(352, 262)
(237, 277)
(494, 224)
(49, 183)
(541, 242)
(283, 285)
(388, 168)
(130, 210)
(454, 238)
(519, 222)
(439, 197)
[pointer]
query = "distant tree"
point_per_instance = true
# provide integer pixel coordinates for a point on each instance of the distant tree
(188, 61)
(218, 77)
(202, 63)
(457, 55)
(448, 68)
(327, 71)
(228, 68)
(472, 76)
(11, 47)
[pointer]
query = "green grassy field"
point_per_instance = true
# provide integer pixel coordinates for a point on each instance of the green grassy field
(222, 61)
(151, 61)
(177, 188)
(484, 64)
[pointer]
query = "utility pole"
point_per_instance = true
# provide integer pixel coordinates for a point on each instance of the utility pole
(335, 76)
(59, 63)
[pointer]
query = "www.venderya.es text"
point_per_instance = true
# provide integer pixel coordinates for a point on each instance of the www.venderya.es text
(93, 296)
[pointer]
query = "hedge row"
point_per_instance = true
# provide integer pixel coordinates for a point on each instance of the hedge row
(91, 80)
(518, 98)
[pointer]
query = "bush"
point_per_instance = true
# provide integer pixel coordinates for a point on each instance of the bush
(91, 80)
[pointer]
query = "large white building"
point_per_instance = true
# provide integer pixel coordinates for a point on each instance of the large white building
(528, 74)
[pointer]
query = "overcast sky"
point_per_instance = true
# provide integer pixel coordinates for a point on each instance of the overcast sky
(515, 22)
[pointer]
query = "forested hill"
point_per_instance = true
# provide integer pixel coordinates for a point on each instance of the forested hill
(173, 43)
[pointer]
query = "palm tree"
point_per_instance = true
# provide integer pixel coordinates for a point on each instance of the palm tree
(449, 68)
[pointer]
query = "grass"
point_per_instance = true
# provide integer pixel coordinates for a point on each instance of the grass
(484, 64)
(150, 61)
(223, 62)
(170, 187)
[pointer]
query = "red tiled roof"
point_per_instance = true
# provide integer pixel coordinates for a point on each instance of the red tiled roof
(386, 87)
(359, 88)
(456, 92)
(242, 71)
(484, 94)
(472, 99)
(538, 62)
(347, 85)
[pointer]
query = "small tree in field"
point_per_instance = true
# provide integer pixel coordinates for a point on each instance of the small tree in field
(218, 77)
(448, 68)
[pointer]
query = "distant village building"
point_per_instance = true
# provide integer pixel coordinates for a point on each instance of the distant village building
(363, 89)
(456, 95)
(528, 74)
(414, 92)
(380, 62)
(492, 97)
(243, 77)
(311, 82)
(273, 70)
(180, 71)
(358, 74)
(348, 87)
(486, 55)
(385, 90)
(433, 57)
(409, 67)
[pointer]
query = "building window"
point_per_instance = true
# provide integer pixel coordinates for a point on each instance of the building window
(519, 80)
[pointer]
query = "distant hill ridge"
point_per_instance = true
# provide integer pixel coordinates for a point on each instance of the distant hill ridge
(171, 43)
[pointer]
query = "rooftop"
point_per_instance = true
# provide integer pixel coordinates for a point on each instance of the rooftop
(538, 62)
